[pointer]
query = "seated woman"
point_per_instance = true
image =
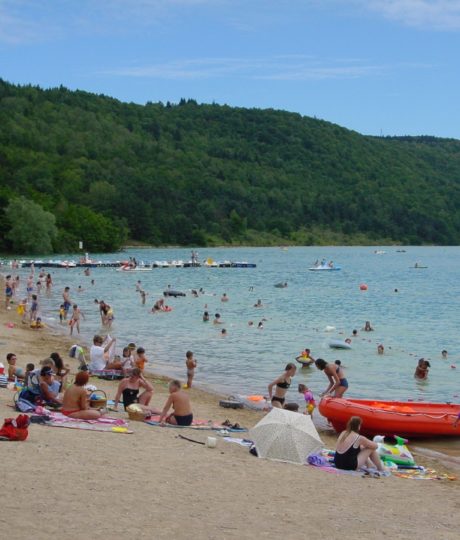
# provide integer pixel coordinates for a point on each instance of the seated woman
(354, 451)
(49, 388)
(129, 389)
(61, 371)
(13, 371)
(75, 403)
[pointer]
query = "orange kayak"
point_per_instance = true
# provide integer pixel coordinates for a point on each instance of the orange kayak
(406, 419)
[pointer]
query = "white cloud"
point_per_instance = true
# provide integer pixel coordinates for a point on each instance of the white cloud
(437, 14)
(283, 67)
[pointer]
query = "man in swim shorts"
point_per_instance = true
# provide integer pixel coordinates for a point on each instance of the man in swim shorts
(182, 410)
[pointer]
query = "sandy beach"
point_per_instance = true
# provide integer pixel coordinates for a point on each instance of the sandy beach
(152, 484)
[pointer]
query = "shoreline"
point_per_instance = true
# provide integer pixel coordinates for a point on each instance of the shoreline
(202, 395)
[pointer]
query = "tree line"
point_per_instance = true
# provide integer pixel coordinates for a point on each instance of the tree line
(76, 166)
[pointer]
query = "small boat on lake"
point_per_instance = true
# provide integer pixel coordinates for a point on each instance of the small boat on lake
(406, 419)
(326, 268)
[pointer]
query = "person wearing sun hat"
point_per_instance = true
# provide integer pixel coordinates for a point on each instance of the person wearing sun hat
(49, 388)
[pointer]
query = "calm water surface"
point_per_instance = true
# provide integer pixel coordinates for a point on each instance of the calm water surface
(421, 319)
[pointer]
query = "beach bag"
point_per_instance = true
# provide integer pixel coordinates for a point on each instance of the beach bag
(15, 429)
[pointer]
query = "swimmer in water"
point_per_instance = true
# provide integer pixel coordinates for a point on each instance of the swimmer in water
(444, 354)
(205, 316)
(305, 358)
(143, 296)
(217, 319)
(259, 303)
(380, 349)
(421, 371)
(224, 298)
(368, 327)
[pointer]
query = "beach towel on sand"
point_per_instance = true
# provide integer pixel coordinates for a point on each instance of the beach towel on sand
(198, 424)
(105, 423)
(83, 424)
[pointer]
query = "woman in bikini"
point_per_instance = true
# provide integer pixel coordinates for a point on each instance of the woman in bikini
(338, 384)
(129, 389)
(354, 451)
(75, 403)
(281, 384)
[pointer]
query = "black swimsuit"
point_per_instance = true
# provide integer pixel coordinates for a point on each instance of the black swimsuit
(285, 385)
(348, 461)
(130, 396)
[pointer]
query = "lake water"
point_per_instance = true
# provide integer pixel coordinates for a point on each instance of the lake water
(421, 319)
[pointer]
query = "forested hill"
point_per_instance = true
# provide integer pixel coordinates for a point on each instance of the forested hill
(78, 166)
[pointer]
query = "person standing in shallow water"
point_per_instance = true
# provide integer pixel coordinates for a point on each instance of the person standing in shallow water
(338, 384)
(281, 384)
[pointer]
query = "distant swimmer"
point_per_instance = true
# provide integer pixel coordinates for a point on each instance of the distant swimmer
(380, 349)
(217, 319)
(258, 304)
(368, 327)
(444, 354)
(224, 298)
(205, 316)
(422, 369)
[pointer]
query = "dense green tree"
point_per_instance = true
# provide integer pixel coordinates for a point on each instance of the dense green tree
(32, 228)
(190, 174)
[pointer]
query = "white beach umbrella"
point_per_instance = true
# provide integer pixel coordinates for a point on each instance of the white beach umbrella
(285, 436)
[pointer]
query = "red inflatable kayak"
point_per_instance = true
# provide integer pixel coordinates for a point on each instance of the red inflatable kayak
(407, 419)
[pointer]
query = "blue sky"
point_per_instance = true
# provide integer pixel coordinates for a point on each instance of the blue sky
(375, 66)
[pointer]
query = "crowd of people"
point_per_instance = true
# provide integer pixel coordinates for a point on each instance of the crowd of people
(50, 382)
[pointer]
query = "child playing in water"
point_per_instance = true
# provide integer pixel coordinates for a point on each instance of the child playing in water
(310, 403)
(191, 364)
(75, 319)
(61, 313)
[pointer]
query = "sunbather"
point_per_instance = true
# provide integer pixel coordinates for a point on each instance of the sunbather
(180, 402)
(75, 403)
(129, 389)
